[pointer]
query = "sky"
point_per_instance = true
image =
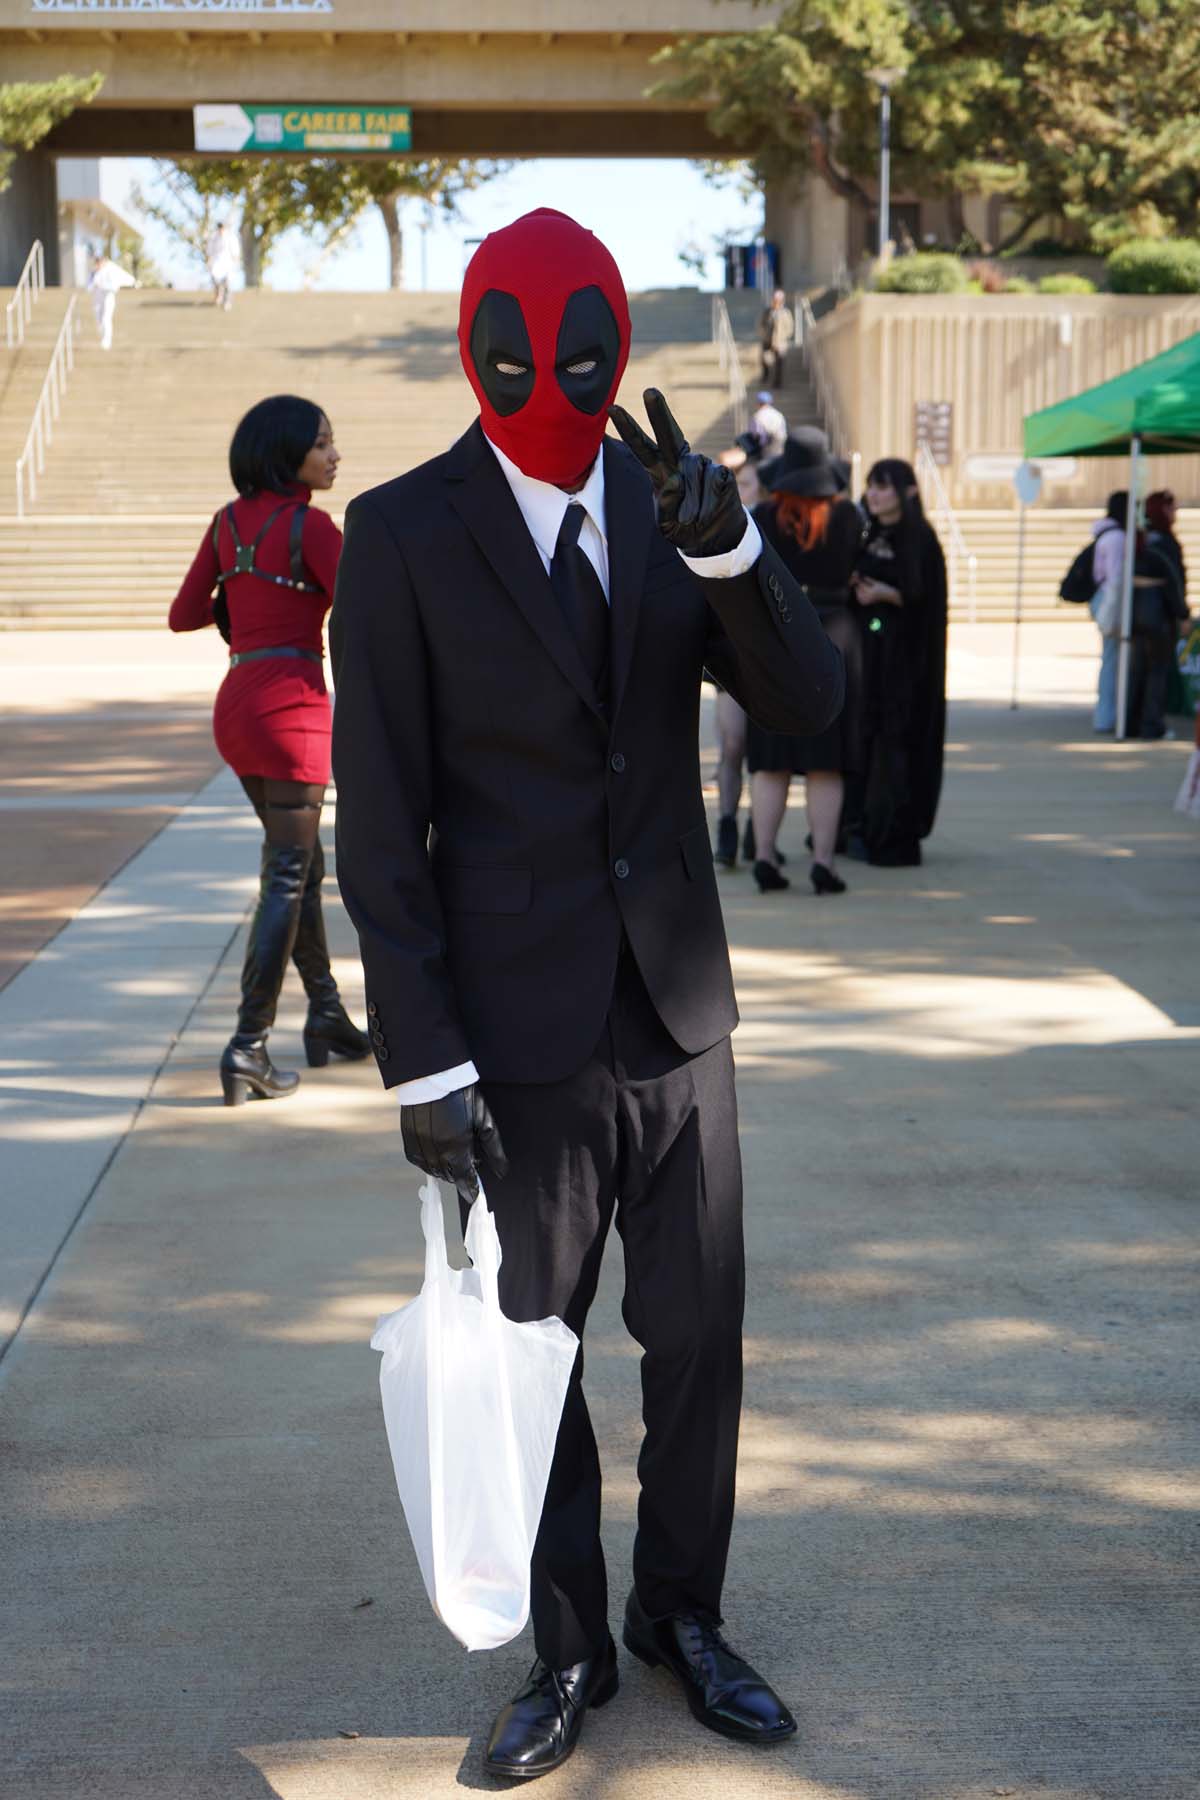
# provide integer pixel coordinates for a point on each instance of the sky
(644, 210)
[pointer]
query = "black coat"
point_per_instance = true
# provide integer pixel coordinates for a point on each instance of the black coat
(494, 832)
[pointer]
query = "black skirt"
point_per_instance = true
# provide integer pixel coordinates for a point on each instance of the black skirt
(837, 749)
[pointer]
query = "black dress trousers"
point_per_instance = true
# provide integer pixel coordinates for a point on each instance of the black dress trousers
(647, 1132)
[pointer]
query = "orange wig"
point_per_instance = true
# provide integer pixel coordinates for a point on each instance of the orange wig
(804, 517)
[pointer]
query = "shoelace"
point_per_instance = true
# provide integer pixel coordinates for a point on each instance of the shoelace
(552, 1680)
(711, 1637)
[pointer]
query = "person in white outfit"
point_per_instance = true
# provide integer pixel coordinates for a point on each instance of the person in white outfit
(104, 284)
(223, 260)
(769, 425)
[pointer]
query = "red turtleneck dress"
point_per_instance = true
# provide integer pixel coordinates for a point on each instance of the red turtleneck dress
(272, 716)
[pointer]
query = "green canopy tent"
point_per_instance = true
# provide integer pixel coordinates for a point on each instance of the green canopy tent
(1155, 407)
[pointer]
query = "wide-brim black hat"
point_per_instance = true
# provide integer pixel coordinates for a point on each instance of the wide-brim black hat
(803, 468)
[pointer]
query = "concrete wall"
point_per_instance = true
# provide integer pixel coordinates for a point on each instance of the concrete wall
(28, 210)
(996, 358)
(810, 223)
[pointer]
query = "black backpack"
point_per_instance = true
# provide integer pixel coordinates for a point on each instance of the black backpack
(1079, 584)
(244, 564)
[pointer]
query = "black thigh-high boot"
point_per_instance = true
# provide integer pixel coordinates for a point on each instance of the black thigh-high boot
(246, 1069)
(328, 1030)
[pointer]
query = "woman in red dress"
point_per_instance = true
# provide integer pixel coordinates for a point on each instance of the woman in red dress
(264, 573)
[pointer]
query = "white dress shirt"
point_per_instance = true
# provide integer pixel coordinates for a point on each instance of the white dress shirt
(543, 508)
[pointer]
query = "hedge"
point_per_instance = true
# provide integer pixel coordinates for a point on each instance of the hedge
(925, 272)
(1065, 284)
(1155, 266)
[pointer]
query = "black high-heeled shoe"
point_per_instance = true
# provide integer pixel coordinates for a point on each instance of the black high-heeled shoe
(725, 852)
(329, 1031)
(769, 880)
(825, 881)
(247, 1072)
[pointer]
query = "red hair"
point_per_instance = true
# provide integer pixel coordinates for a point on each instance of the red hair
(804, 517)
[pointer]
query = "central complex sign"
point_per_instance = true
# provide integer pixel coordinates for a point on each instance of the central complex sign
(183, 6)
(369, 130)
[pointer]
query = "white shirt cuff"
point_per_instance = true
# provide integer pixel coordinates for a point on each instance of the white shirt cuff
(730, 562)
(435, 1087)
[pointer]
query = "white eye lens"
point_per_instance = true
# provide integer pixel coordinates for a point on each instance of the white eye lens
(582, 368)
(511, 368)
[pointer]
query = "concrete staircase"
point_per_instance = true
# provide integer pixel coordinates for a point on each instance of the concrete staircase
(138, 466)
(22, 372)
(1053, 536)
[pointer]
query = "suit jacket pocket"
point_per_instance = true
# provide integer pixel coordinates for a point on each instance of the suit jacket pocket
(484, 890)
(696, 852)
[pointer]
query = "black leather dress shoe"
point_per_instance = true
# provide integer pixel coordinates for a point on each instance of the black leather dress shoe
(722, 1689)
(540, 1726)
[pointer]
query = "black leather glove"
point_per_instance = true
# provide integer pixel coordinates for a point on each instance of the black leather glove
(699, 508)
(448, 1138)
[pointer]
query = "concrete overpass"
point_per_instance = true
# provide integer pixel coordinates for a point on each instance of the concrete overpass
(507, 77)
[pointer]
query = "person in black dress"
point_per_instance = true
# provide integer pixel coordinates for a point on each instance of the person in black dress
(816, 532)
(900, 586)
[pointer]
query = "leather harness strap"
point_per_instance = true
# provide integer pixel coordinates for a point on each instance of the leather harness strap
(245, 656)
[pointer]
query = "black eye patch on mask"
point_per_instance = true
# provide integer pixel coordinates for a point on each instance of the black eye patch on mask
(588, 334)
(498, 335)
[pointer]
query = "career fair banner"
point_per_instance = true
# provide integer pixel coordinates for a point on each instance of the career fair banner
(234, 129)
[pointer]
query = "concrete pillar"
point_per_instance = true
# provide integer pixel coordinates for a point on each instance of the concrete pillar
(28, 210)
(810, 223)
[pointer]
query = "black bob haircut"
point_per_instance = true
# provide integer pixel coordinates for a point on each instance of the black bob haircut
(271, 443)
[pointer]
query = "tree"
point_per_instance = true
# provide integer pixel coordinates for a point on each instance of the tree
(437, 181)
(1076, 109)
(29, 110)
(128, 249)
(269, 194)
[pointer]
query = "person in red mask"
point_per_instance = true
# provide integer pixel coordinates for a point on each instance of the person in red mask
(519, 633)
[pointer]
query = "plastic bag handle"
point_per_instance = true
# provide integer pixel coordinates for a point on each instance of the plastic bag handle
(483, 1247)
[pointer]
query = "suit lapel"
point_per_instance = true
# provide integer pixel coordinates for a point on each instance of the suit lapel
(484, 502)
(629, 516)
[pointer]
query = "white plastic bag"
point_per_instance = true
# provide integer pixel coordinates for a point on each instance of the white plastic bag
(472, 1404)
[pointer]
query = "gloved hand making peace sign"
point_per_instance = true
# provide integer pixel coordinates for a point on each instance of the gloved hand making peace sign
(699, 508)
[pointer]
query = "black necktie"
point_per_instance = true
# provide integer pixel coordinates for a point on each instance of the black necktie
(579, 592)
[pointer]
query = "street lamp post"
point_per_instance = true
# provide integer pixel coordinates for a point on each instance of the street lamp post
(884, 80)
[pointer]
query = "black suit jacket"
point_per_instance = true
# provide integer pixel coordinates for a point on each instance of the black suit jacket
(497, 828)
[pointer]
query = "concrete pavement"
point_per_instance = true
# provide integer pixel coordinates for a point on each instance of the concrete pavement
(968, 1484)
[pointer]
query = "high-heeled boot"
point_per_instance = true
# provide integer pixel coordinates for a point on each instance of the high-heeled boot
(329, 1029)
(246, 1068)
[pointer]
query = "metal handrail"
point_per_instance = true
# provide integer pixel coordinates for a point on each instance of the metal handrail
(947, 525)
(730, 361)
(30, 283)
(814, 362)
(32, 460)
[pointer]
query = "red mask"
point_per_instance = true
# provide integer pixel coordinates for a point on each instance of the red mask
(543, 330)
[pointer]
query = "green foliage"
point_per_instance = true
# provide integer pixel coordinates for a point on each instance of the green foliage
(1065, 284)
(324, 196)
(926, 272)
(127, 249)
(436, 182)
(1152, 266)
(1073, 109)
(267, 194)
(31, 109)
(1017, 284)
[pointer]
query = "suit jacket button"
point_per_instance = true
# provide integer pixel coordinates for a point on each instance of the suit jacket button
(381, 1054)
(377, 1036)
(616, 762)
(372, 1009)
(620, 868)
